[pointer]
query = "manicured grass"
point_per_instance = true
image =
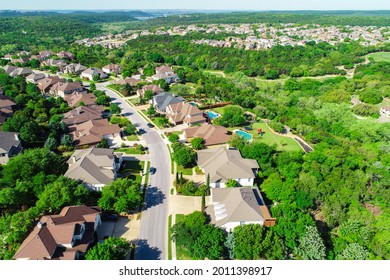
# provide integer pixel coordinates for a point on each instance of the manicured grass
(132, 137)
(219, 110)
(181, 253)
(380, 56)
(198, 170)
(147, 174)
(131, 151)
(186, 171)
(176, 132)
(169, 238)
(269, 138)
(134, 165)
(384, 103)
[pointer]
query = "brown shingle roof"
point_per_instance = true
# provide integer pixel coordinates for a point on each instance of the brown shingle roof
(212, 135)
(47, 238)
(91, 132)
(75, 98)
(184, 112)
(83, 114)
(45, 84)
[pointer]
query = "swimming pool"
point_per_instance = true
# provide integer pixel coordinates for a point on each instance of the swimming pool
(243, 134)
(212, 115)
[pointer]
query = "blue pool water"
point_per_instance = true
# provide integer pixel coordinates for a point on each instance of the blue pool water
(213, 115)
(193, 103)
(244, 135)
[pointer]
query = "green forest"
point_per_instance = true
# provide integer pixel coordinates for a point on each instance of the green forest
(332, 203)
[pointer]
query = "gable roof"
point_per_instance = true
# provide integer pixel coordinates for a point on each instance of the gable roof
(212, 135)
(164, 69)
(66, 87)
(183, 111)
(223, 164)
(76, 97)
(164, 99)
(36, 76)
(83, 114)
(237, 205)
(92, 166)
(75, 68)
(92, 131)
(128, 80)
(8, 141)
(46, 83)
(6, 102)
(47, 238)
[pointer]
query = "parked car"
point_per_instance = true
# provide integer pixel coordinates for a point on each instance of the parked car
(141, 131)
(150, 125)
(152, 170)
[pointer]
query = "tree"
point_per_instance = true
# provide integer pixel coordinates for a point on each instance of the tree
(103, 100)
(173, 138)
(51, 144)
(112, 248)
(62, 192)
(67, 140)
(25, 166)
(92, 87)
(115, 109)
(354, 251)
(95, 78)
(183, 155)
(232, 116)
(30, 132)
(103, 144)
(148, 94)
(248, 241)
(130, 129)
(311, 246)
(197, 143)
(210, 244)
(231, 183)
(122, 195)
(151, 111)
(161, 121)
(271, 74)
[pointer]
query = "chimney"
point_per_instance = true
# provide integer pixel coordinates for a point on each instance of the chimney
(39, 225)
(78, 110)
(74, 159)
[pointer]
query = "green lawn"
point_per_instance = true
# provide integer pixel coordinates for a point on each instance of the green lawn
(132, 137)
(218, 110)
(380, 56)
(169, 238)
(135, 167)
(181, 253)
(131, 151)
(186, 171)
(269, 138)
(384, 103)
(172, 163)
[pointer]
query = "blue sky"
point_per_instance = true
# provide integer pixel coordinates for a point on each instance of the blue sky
(196, 4)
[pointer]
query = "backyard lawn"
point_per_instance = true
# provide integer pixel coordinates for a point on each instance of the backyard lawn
(380, 56)
(269, 138)
(132, 137)
(181, 253)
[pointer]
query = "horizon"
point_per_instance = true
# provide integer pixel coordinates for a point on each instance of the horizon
(206, 5)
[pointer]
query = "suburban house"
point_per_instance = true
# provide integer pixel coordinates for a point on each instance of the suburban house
(112, 69)
(17, 71)
(20, 60)
(75, 69)
(35, 77)
(9, 146)
(385, 111)
(62, 89)
(128, 80)
(183, 112)
(66, 236)
(94, 167)
(92, 72)
(65, 55)
(162, 100)
(83, 114)
(76, 98)
(6, 109)
(154, 88)
(231, 207)
(168, 77)
(211, 134)
(93, 131)
(45, 54)
(222, 164)
(8, 56)
(54, 62)
(46, 84)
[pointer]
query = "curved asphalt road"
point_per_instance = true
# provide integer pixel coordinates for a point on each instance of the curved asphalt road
(153, 241)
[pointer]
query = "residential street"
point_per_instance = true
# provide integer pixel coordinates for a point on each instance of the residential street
(153, 240)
